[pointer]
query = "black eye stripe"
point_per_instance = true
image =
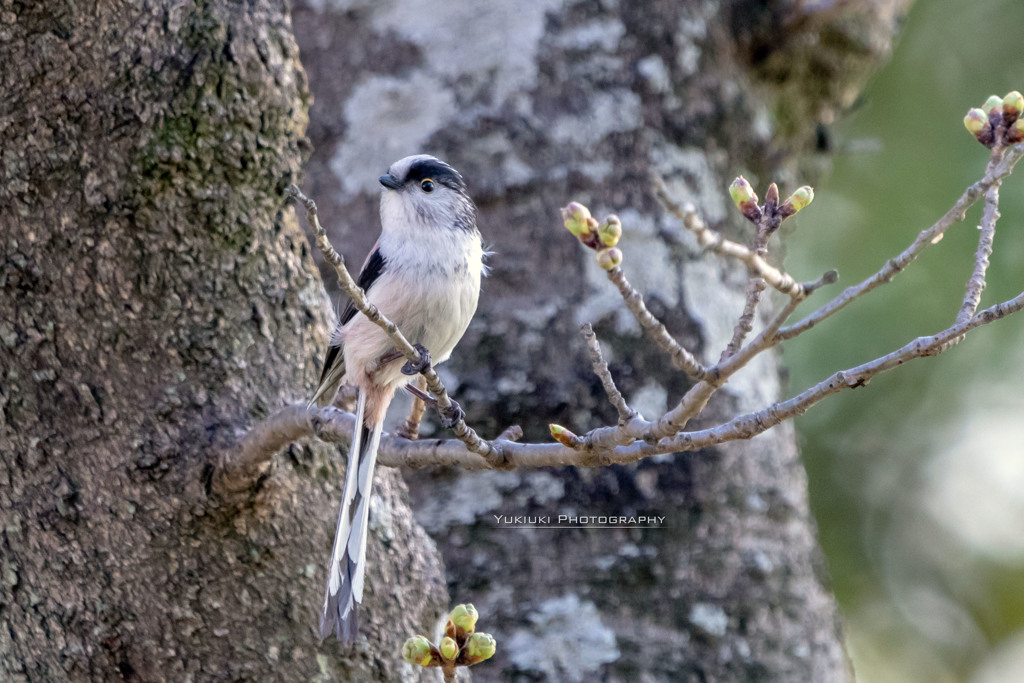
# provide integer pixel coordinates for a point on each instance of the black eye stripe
(438, 172)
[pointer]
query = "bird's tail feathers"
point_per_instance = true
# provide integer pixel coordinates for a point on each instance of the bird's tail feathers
(348, 558)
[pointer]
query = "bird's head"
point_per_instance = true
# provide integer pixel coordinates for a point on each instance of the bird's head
(422, 192)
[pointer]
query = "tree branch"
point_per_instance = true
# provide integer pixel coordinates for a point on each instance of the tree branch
(994, 173)
(333, 425)
(604, 374)
(681, 358)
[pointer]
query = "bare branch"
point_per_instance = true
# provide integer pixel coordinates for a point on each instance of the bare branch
(745, 324)
(987, 231)
(604, 374)
(994, 173)
(714, 241)
(656, 330)
(400, 452)
(238, 467)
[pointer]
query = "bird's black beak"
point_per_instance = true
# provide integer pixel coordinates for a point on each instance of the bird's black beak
(389, 181)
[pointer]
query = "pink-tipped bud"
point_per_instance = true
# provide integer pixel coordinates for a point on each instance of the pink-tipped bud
(746, 199)
(1015, 133)
(609, 232)
(975, 121)
(609, 259)
(575, 217)
(741, 192)
(1013, 104)
(991, 103)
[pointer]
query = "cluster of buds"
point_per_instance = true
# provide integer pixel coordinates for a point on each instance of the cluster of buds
(601, 236)
(998, 121)
(460, 646)
(771, 213)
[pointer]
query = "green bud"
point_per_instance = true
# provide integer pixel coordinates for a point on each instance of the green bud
(575, 217)
(801, 198)
(991, 103)
(741, 192)
(1016, 132)
(1013, 103)
(481, 646)
(464, 617)
(449, 648)
(975, 121)
(609, 259)
(417, 650)
(609, 232)
(564, 436)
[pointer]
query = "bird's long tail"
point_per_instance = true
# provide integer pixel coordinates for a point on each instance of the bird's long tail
(348, 559)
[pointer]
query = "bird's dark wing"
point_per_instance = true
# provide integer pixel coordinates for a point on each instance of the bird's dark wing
(373, 268)
(334, 359)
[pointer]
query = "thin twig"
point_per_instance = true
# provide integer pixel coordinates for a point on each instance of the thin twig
(714, 241)
(745, 325)
(680, 358)
(994, 173)
(987, 231)
(444, 403)
(600, 368)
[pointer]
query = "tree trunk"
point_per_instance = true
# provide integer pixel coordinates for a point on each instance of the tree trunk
(156, 299)
(544, 102)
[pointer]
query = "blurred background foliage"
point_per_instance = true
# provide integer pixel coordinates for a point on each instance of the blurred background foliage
(917, 481)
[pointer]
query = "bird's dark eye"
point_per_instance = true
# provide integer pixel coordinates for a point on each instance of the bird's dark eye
(427, 185)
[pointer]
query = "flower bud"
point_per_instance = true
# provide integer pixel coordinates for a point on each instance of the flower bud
(575, 217)
(772, 195)
(480, 646)
(609, 258)
(449, 648)
(1013, 104)
(742, 192)
(975, 121)
(464, 617)
(797, 201)
(991, 103)
(609, 232)
(563, 436)
(1015, 133)
(417, 650)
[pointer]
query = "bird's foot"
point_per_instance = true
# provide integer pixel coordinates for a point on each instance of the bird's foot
(411, 368)
(457, 414)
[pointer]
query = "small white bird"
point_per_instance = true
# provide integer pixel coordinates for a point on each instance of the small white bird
(424, 275)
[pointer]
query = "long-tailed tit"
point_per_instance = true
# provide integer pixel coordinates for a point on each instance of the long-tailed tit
(423, 274)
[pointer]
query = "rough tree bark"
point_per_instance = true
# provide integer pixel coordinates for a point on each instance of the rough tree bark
(155, 299)
(539, 103)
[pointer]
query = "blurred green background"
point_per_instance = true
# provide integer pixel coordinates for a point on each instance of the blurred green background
(917, 481)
